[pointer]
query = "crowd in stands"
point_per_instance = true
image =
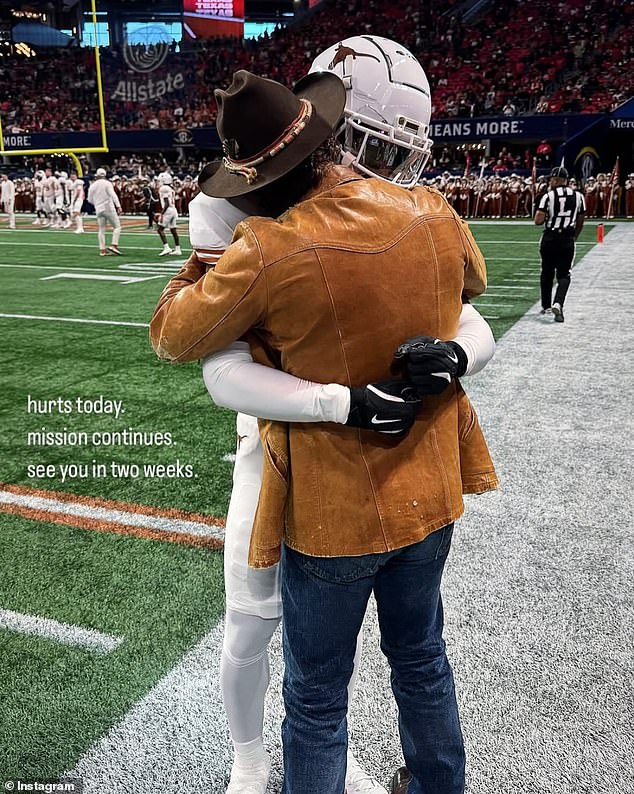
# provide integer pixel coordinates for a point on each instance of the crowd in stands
(545, 56)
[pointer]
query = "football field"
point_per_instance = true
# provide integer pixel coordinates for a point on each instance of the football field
(115, 478)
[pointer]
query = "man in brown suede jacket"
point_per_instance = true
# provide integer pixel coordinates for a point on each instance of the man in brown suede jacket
(328, 291)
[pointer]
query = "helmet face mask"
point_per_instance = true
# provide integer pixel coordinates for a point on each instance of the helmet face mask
(388, 107)
(377, 151)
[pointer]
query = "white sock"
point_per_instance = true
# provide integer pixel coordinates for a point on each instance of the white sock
(250, 754)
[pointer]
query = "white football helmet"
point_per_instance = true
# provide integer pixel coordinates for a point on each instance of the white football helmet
(385, 129)
(165, 178)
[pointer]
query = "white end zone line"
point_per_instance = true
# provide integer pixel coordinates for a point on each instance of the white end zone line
(64, 633)
(72, 320)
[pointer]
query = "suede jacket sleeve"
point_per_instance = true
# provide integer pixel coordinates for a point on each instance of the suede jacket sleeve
(200, 313)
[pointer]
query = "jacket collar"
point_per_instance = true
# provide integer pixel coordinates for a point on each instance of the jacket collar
(335, 176)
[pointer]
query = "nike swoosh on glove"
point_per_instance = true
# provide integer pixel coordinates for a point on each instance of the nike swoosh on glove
(388, 407)
(430, 363)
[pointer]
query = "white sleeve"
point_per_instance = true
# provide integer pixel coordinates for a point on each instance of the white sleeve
(235, 381)
(475, 338)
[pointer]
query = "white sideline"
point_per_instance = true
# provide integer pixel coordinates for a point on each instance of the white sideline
(65, 633)
(159, 523)
(72, 320)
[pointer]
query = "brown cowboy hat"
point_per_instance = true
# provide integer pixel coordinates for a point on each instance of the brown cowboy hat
(266, 129)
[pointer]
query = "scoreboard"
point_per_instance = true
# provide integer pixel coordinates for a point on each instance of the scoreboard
(220, 9)
(204, 19)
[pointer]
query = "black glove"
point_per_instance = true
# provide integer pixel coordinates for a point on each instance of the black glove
(430, 363)
(387, 407)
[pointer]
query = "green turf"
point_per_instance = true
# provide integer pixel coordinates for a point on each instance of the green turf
(57, 700)
(162, 597)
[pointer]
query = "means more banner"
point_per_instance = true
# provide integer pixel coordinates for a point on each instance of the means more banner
(551, 126)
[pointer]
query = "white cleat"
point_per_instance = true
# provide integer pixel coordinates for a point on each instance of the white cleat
(358, 781)
(166, 251)
(79, 231)
(36, 222)
(251, 780)
(177, 251)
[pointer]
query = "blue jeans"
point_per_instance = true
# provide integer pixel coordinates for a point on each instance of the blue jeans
(324, 602)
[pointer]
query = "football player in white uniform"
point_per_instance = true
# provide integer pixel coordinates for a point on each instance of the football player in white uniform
(50, 189)
(103, 197)
(38, 189)
(168, 216)
(62, 201)
(7, 198)
(77, 196)
(396, 150)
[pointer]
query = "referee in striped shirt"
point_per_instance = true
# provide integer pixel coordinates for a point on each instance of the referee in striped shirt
(561, 211)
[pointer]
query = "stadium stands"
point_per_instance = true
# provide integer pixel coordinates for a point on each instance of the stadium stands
(527, 64)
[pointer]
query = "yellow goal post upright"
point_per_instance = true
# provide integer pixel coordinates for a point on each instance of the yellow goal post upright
(102, 117)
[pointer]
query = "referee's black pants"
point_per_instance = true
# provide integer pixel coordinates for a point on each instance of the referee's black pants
(557, 251)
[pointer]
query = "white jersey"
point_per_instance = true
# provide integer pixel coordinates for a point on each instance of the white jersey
(103, 197)
(39, 189)
(7, 191)
(77, 192)
(212, 222)
(166, 197)
(49, 187)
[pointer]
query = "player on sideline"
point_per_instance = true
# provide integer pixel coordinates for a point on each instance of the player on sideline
(7, 198)
(168, 215)
(62, 201)
(235, 381)
(102, 196)
(49, 192)
(77, 196)
(38, 189)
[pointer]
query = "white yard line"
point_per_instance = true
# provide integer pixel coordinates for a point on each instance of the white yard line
(64, 633)
(96, 513)
(85, 245)
(519, 278)
(143, 267)
(72, 320)
(507, 286)
(484, 304)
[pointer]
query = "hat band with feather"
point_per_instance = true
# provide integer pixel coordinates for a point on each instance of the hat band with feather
(246, 167)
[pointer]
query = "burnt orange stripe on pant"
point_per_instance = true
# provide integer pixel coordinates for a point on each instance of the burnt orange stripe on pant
(84, 522)
(129, 507)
